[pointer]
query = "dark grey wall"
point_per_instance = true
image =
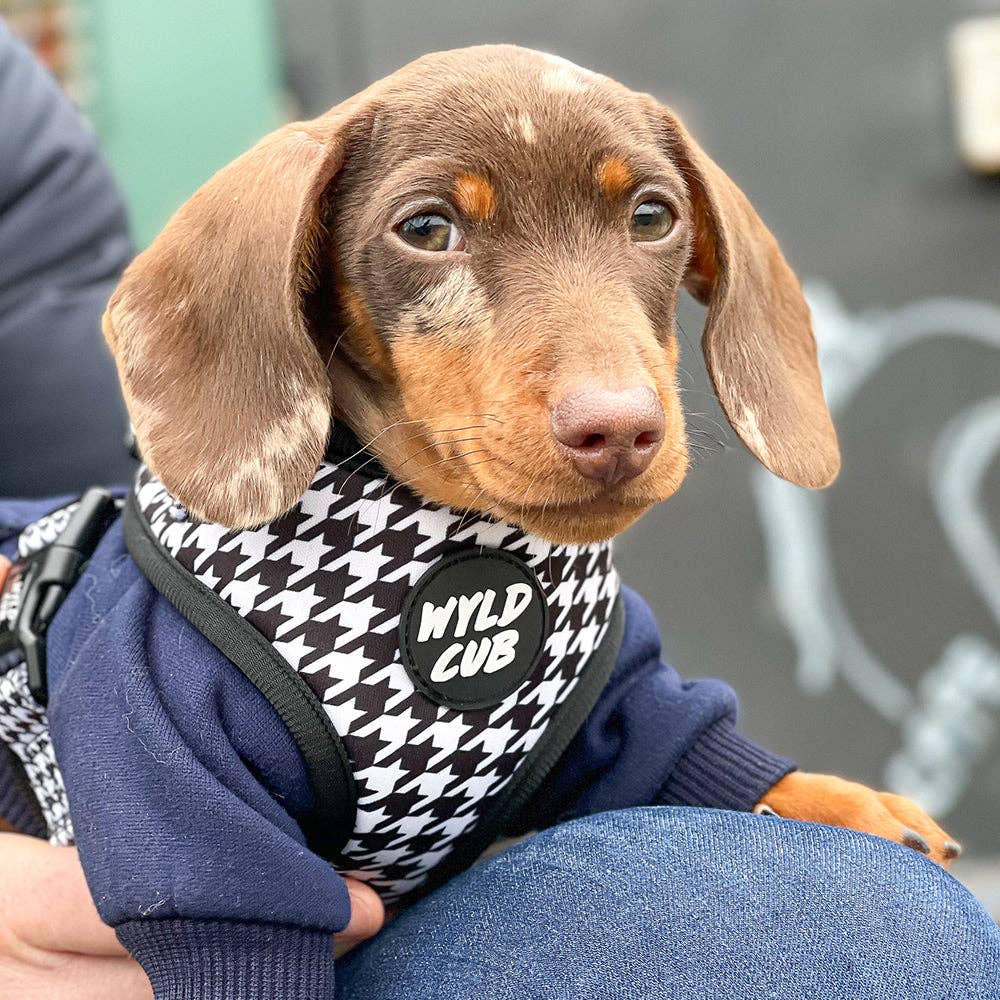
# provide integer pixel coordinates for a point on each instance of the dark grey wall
(834, 119)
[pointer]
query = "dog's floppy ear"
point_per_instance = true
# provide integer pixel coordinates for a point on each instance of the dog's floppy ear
(227, 392)
(758, 341)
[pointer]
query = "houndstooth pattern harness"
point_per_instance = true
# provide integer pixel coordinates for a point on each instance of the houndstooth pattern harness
(325, 586)
(24, 724)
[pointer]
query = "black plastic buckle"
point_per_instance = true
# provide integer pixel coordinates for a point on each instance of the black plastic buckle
(50, 577)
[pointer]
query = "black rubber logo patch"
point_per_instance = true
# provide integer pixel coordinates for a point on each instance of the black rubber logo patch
(472, 628)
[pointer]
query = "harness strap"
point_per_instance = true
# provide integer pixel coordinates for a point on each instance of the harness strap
(33, 588)
(331, 822)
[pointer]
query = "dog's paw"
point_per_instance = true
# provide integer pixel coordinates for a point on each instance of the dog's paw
(823, 798)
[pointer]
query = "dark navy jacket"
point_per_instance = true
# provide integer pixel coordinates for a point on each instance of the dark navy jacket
(63, 245)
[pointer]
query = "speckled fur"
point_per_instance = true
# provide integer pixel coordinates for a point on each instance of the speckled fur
(281, 291)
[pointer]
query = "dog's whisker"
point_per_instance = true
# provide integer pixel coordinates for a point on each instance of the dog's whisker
(388, 491)
(428, 447)
(389, 487)
(470, 511)
(419, 420)
(357, 469)
(705, 449)
(709, 434)
(385, 430)
(454, 458)
(707, 416)
(684, 333)
(524, 497)
(492, 511)
(704, 438)
(398, 423)
(448, 430)
(681, 370)
(706, 433)
(450, 459)
(333, 350)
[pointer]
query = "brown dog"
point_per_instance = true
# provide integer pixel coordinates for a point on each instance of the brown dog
(475, 263)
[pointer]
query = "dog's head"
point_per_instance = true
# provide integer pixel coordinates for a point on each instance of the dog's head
(475, 264)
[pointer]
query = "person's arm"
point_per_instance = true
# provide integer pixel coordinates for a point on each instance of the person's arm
(656, 739)
(64, 242)
(185, 788)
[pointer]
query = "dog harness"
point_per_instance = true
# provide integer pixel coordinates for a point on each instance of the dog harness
(431, 664)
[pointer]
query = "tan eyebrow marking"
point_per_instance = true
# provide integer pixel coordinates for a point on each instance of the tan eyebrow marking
(363, 336)
(614, 176)
(474, 195)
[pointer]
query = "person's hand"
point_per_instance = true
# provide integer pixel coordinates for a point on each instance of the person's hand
(367, 917)
(53, 945)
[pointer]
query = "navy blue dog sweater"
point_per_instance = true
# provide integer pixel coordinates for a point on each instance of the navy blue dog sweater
(370, 686)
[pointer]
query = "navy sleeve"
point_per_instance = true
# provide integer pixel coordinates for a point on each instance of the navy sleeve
(64, 242)
(184, 786)
(655, 739)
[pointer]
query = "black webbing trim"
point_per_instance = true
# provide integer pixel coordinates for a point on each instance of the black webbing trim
(536, 766)
(331, 822)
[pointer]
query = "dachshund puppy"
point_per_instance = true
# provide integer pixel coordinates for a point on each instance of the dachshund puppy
(474, 265)
(494, 237)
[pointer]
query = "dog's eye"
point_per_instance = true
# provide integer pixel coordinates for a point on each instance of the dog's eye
(429, 231)
(651, 220)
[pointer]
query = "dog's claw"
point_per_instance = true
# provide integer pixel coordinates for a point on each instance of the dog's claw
(913, 839)
(952, 850)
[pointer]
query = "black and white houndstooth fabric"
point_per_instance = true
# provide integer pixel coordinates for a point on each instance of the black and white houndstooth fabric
(24, 725)
(325, 585)
(43, 532)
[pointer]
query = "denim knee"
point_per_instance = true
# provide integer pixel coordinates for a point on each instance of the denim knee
(689, 904)
(855, 907)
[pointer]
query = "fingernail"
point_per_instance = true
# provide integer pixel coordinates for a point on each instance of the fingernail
(952, 849)
(913, 839)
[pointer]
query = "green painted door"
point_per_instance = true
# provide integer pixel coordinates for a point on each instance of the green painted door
(180, 87)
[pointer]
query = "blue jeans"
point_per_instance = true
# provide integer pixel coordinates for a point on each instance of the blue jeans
(688, 904)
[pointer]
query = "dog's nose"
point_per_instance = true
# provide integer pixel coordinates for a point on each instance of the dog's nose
(611, 435)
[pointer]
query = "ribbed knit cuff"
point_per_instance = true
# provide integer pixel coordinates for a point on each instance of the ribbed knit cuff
(222, 960)
(722, 770)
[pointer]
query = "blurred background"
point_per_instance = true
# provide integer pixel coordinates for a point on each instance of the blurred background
(861, 626)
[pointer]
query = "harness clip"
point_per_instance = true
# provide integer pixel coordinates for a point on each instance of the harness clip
(51, 575)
